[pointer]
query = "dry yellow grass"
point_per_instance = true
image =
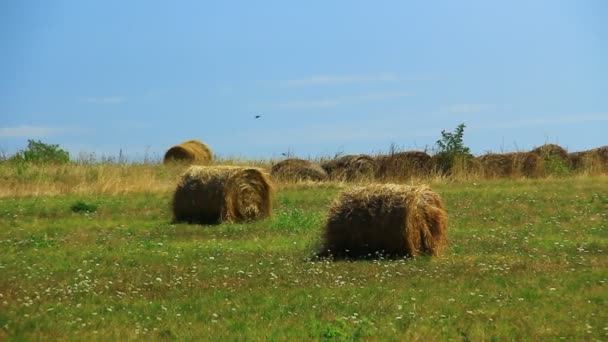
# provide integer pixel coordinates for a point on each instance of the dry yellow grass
(44, 180)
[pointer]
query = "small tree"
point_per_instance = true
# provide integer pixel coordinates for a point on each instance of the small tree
(452, 143)
(39, 152)
(451, 148)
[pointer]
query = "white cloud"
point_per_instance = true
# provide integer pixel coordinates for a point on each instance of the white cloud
(468, 108)
(330, 103)
(321, 80)
(32, 131)
(107, 100)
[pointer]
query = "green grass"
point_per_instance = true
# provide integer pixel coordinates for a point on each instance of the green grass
(528, 260)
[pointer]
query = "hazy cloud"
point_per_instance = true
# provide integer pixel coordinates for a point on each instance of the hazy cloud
(321, 80)
(330, 103)
(109, 100)
(468, 108)
(32, 131)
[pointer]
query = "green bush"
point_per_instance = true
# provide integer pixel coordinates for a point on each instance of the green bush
(451, 149)
(555, 166)
(39, 152)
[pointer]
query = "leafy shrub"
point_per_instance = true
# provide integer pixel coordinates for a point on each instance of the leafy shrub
(451, 149)
(556, 166)
(39, 152)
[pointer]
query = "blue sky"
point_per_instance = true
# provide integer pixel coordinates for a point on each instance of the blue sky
(325, 76)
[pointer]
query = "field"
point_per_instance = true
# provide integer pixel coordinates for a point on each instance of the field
(528, 260)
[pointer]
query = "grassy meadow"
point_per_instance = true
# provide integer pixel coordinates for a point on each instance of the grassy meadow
(527, 260)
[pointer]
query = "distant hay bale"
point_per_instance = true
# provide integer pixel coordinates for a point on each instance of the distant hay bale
(192, 151)
(401, 165)
(552, 151)
(495, 165)
(578, 160)
(294, 169)
(515, 164)
(213, 194)
(601, 153)
(527, 164)
(451, 164)
(386, 219)
(350, 167)
(591, 160)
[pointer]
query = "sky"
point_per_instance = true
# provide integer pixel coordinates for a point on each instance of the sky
(326, 77)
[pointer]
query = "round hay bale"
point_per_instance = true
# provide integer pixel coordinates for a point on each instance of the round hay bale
(527, 164)
(350, 167)
(192, 151)
(213, 194)
(552, 151)
(385, 219)
(449, 164)
(295, 169)
(403, 165)
(578, 160)
(601, 153)
(514, 164)
(593, 160)
(496, 165)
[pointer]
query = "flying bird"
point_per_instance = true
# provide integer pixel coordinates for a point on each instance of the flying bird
(258, 116)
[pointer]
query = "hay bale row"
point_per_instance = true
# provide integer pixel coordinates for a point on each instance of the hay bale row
(191, 151)
(386, 219)
(222, 193)
(356, 167)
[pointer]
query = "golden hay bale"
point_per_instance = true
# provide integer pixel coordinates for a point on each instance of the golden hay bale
(403, 164)
(294, 169)
(212, 194)
(386, 219)
(350, 167)
(192, 151)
